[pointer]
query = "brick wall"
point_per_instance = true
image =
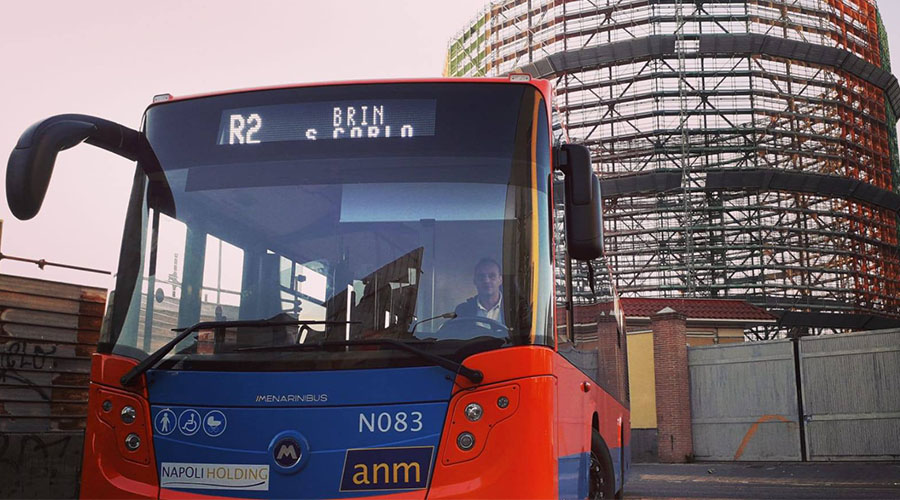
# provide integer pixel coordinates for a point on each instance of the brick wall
(612, 361)
(595, 330)
(673, 393)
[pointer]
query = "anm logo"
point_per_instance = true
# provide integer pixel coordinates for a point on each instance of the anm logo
(367, 469)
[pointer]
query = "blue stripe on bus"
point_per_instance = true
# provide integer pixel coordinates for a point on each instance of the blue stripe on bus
(574, 473)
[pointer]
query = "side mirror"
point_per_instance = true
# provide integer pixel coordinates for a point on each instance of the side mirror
(584, 219)
(31, 162)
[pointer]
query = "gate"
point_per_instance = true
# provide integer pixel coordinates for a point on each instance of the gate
(851, 395)
(744, 398)
(744, 401)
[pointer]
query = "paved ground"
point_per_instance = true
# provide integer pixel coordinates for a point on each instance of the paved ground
(765, 480)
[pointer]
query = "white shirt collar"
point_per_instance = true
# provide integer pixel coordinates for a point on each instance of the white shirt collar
(481, 307)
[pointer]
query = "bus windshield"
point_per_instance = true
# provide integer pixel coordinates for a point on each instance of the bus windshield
(415, 212)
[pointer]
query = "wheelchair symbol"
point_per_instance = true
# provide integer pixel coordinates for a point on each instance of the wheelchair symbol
(189, 422)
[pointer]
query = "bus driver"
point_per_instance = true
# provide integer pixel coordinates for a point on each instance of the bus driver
(488, 303)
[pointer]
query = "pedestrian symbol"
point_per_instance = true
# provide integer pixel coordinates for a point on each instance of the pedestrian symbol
(189, 422)
(165, 422)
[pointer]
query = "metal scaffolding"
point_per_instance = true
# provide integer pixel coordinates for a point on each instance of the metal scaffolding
(747, 149)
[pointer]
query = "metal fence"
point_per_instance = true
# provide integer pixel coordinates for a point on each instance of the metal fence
(851, 395)
(746, 405)
(47, 334)
(744, 402)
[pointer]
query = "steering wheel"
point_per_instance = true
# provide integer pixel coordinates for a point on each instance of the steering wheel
(474, 324)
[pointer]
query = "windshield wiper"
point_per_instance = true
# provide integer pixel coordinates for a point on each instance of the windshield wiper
(476, 376)
(151, 360)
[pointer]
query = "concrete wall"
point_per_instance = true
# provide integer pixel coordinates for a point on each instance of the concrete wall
(642, 387)
(713, 335)
(642, 380)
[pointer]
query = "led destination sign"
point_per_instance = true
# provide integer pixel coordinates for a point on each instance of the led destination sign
(395, 118)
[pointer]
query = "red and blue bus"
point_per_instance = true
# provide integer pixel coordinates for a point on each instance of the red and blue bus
(348, 290)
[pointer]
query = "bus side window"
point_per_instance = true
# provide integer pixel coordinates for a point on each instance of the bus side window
(584, 300)
(561, 267)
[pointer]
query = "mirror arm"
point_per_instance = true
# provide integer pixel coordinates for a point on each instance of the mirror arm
(117, 139)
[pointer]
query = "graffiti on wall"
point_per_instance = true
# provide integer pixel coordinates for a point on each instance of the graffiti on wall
(47, 334)
(40, 465)
(18, 361)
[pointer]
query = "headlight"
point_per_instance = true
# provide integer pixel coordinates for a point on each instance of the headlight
(474, 412)
(465, 441)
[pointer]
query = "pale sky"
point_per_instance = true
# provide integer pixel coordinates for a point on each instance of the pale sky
(108, 58)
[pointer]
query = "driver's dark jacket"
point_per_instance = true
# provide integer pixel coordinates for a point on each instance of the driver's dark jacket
(469, 309)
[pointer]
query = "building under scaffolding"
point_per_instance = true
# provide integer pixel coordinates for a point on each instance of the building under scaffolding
(747, 148)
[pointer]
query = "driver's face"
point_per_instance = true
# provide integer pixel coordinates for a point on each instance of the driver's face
(488, 280)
